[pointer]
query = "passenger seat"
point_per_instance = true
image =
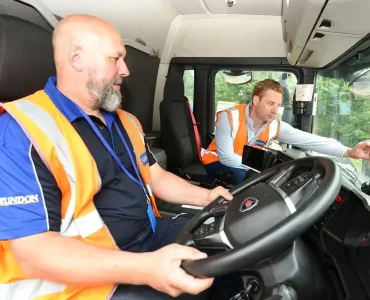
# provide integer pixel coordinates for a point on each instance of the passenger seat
(177, 131)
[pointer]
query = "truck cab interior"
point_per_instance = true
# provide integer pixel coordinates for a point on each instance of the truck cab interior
(296, 230)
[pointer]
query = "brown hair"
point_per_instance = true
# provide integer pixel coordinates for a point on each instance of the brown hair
(263, 86)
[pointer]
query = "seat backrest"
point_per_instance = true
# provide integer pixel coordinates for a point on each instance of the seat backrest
(177, 133)
(26, 57)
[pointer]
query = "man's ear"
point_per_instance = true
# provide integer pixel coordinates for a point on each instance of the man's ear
(255, 100)
(74, 57)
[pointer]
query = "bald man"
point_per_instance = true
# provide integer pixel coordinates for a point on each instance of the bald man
(77, 179)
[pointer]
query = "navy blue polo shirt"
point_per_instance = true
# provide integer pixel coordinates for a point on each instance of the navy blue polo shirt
(30, 199)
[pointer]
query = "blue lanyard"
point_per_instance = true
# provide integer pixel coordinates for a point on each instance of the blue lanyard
(133, 162)
(139, 180)
(111, 151)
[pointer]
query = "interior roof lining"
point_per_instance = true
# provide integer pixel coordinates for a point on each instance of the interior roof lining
(23, 11)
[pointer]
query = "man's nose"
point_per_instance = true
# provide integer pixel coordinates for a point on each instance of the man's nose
(123, 70)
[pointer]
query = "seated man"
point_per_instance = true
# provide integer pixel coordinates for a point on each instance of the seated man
(256, 125)
(77, 185)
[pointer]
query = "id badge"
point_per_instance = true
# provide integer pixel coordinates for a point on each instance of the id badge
(152, 218)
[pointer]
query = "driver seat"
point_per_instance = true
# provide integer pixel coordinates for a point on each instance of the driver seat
(25, 48)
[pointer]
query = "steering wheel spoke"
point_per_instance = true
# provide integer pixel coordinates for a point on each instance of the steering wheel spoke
(212, 236)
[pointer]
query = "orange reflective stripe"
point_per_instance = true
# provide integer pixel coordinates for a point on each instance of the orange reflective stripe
(239, 133)
(241, 137)
(43, 145)
(10, 270)
(135, 132)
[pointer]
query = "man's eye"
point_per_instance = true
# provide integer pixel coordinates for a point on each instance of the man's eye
(115, 58)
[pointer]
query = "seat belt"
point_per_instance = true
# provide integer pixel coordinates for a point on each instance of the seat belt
(195, 127)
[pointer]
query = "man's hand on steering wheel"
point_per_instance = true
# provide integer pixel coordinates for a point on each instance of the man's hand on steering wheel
(162, 271)
(218, 192)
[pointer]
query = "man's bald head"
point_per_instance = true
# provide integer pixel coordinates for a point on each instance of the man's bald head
(83, 31)
(90, 51)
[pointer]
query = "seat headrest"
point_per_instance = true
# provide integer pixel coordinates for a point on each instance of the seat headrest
(174, 87)
(26, 58)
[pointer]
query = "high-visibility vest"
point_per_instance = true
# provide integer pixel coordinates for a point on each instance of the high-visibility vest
(75, 171)
(239, 133)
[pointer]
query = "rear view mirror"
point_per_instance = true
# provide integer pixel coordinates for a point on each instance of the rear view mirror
(360, 84)
(237, 76)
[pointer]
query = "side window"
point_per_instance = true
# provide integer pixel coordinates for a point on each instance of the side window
(343, 110)
(189, 85)
(234, 87)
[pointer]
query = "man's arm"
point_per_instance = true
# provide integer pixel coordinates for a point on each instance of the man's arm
(171, 188)
(310, 141)
(59, 259)
(56, 258)
(225, 144)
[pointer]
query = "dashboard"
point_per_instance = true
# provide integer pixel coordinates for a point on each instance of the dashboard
(340, 239)
(343, 245)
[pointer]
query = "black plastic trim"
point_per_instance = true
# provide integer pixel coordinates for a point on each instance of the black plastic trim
(313, 28)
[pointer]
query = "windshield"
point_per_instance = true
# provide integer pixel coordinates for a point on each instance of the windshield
(234, 87)
(343, 107)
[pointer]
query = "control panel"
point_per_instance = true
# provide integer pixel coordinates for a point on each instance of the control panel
(330, 212)
(204, 230)
(302, 108)
(297, 182)
(207, 236)
(305, 100)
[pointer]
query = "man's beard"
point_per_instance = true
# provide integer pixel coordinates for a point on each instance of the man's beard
(104, 93)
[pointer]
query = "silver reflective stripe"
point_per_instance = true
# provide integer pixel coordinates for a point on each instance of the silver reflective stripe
(85, 226)
(149, 188)
(29, 289)
(235, 119)
(136, 125)
(44, 160)
(112, 292)
(89, 223)
(46, 123)
(208, 152)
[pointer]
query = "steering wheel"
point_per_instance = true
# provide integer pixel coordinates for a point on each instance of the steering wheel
(267, 213)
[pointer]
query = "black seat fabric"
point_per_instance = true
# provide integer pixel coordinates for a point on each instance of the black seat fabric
(26, 58)
(177, 133)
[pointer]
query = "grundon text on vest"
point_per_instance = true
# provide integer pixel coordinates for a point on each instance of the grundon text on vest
(239, 133)
(52, 135)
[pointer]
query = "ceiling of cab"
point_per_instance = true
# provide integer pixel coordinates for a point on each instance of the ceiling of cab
(248, 7)
(150, 20)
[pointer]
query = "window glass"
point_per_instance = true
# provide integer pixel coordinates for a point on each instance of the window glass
(236, 87)
(189, 85)
(343, 108)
